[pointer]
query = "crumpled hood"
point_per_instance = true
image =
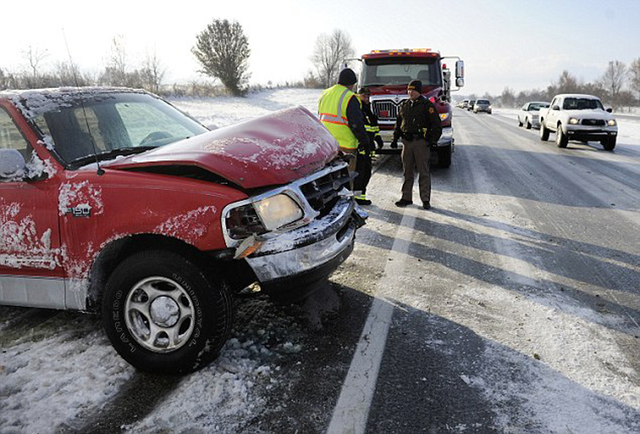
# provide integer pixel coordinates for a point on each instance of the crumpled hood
(274, 149)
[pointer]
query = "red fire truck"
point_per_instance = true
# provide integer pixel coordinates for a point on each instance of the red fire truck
(388, 72)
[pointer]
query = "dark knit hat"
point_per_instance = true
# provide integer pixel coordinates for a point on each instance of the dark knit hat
(347, 77)
(415, 85)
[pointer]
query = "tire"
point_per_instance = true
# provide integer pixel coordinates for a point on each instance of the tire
(561, 139)
(528, 125)
(163, 314)
(519, 122)
(444, 157)
(544, 132)
(609, 143)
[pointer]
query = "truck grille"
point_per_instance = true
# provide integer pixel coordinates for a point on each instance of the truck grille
(385, 109)
(593, 122)
(322, 193)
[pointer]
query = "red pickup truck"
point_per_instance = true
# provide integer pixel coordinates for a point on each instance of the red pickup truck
(114, 201)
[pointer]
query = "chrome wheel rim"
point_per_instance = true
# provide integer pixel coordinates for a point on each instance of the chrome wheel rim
(159, 314)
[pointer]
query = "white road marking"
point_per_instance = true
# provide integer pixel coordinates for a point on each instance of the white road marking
(352, 410)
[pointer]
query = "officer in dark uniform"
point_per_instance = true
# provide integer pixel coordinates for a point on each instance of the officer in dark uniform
(418, 124)
(363, 161)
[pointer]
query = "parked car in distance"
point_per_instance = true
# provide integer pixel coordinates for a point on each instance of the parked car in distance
(470, 104)
(112, 201)
(464, 104)
(578, 117)
(482, 105)
(528, 114)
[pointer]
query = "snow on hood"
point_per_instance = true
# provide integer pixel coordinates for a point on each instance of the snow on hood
(274, 149)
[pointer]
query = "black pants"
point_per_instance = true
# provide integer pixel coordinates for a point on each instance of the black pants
(363, 167)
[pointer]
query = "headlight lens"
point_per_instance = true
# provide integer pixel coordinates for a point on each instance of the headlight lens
(574, 121)
(277, 211)
(612, 122)
(444, 116)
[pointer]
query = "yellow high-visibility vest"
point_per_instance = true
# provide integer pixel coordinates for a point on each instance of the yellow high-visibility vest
(332, 108)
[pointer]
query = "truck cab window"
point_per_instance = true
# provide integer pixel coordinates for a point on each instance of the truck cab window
(11, 137)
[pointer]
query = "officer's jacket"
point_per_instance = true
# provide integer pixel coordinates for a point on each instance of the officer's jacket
(418, 119)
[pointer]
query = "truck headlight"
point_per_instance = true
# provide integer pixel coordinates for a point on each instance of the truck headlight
(277, 211)
(574, 121)
(611, 122)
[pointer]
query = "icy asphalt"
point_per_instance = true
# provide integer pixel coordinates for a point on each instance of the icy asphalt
(511, 307)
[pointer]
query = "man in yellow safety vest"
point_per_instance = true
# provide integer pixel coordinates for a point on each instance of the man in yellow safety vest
(340, 112)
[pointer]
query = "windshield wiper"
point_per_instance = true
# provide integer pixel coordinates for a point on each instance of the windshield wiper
(107, 155)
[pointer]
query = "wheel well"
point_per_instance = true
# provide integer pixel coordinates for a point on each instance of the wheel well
(117, 251)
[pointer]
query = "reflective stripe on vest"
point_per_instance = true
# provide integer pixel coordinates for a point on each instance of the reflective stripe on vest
(332, 109)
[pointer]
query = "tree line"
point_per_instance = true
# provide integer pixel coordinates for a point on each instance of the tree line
(222, 52)
(618, 87)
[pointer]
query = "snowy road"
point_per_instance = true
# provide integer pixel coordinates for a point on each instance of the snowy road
(512, 306)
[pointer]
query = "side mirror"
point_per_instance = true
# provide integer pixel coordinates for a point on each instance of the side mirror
(609, 110)
(459, 82)
(555, 107)
(12, 163)
(460, 71)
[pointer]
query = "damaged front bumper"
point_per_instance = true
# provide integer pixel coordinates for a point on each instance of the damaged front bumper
(300, 257)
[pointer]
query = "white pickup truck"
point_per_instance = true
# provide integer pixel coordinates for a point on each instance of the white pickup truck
(578, 117)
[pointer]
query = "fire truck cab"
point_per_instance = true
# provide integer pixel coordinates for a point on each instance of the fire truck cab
(388, 72)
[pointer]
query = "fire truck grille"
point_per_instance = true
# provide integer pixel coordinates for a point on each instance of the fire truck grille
(593, 122)
(385, 109)
(322, 193)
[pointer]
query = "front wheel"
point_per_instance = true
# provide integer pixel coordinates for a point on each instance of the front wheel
(561, 139)
(544, 132)
(163, 314)
(528, 124)
(609, 143)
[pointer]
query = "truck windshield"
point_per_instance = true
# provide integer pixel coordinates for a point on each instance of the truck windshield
(400, 71)
(582, 104)
(84, 127)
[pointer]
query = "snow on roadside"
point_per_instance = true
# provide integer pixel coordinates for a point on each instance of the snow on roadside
(49, 377)
(224, 395)
(223, 111)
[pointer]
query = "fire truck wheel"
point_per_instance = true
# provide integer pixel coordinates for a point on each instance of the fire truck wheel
(163, 314)
(444, 156)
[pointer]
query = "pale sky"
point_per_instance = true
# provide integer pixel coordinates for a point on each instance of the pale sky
(518, 44)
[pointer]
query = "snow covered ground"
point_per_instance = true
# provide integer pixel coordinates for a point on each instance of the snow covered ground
(58, 367)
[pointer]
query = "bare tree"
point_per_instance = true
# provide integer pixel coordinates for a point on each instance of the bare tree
(613, 80)
(634, 76)
(152, 73)
(116, 70)
(329, 55)
(567, 83)
(35, 56)
(223, 52)
(508, 98)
